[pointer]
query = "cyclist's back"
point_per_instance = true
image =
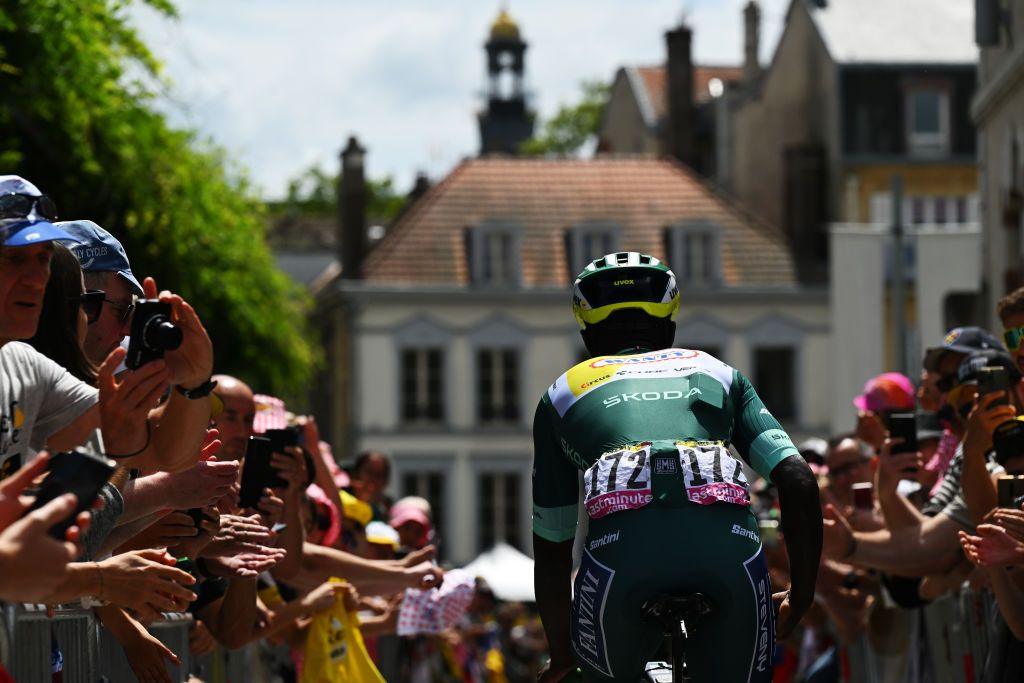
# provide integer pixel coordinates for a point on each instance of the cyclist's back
(650, 430)
(668, 502)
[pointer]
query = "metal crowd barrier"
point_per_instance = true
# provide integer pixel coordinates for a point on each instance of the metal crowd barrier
(955, 634)
(88, 653)
(958, 628)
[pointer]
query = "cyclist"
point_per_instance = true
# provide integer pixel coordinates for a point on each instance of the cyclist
(650, 425)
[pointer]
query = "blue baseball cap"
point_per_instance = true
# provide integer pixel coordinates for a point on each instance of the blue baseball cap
(99, 251)
(32, 230)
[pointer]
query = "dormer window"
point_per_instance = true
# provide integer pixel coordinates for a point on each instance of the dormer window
(693, 252)
(589, 241)
(493, 253)
(927, 120)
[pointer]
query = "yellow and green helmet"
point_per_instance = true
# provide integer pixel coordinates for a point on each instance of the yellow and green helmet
(626, 279)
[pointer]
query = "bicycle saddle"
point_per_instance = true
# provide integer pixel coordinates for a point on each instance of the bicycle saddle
(669, 610)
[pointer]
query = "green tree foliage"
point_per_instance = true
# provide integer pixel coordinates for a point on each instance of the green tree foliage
(77, 117)
(572, 125)
(314, 191)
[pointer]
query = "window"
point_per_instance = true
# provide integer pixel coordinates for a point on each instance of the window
(493, 254)
(927, 121)
(500, 509)
(693, 253)
(918, 210)
(940, 211)
(422, 385)
(584, 243)
(497, 385)
(961, 209)
(775, 380)
(428, 484)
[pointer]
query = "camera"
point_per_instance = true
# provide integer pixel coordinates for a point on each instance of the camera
(152, 333)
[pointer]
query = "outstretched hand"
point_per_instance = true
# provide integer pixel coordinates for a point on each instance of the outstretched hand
(837, 535)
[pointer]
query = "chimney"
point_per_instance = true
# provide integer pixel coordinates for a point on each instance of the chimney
(679, 132)
(751, 41)
(420, 187)
(352, 210)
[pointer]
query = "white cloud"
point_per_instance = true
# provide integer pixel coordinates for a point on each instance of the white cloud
(282, 84)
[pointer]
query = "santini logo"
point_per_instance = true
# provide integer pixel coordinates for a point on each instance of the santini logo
(650, 396)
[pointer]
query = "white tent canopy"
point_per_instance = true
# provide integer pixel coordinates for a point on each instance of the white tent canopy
(508, 572)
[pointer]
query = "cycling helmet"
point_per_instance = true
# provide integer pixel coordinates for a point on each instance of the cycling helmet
(624, 280)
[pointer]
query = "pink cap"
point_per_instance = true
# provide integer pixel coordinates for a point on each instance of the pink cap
(887, 392)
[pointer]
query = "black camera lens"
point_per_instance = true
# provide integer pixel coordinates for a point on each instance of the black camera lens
(161, 334)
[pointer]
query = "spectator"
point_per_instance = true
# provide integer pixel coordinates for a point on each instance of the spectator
(849, 463)
(410, 517)
(883, 395)
(370, 475)
(234, 423)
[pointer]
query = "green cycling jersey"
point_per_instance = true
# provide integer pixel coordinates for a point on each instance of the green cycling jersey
(619, 403)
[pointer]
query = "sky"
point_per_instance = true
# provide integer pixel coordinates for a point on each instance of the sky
(281, 84)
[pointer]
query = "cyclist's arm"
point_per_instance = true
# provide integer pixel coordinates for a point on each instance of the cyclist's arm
(555, 503)
(759, 438)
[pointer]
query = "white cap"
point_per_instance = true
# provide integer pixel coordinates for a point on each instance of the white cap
(15, 184)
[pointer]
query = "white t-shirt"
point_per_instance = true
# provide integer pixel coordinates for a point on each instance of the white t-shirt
(37, 399)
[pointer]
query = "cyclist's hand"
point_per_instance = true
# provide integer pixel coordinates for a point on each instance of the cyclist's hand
(556, 669)
(785, 619)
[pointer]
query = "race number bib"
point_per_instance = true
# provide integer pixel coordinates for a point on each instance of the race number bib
(712, 475)
(620, 480)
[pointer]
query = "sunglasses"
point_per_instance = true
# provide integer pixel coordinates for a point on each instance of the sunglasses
(1013, 338)
(92, 303)
(16, 205)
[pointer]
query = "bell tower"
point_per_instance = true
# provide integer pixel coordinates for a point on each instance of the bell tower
(506, 122)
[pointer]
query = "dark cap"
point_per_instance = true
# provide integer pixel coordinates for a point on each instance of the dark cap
(962, 340)
(969, 368)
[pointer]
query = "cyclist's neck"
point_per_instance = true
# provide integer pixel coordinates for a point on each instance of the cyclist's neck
(630, 350)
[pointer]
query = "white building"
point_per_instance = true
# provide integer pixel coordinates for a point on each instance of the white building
(461, 318)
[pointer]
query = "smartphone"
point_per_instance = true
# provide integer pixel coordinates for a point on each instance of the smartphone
(903, 426)
(197, 515)
(257, 474)
(1009, 488)
(285, 438)
(77, 472)
(863, 496)
(292, 437)
(995, 378)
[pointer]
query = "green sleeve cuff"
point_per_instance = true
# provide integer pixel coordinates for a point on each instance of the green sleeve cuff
(555, 524)
(769, 449)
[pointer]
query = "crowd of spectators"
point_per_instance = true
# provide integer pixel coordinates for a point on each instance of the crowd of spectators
(110, 384)
(320, 555)
(920, 503)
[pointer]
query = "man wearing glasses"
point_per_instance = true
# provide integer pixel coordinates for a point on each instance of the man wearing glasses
(107, 271)
(1011, 312)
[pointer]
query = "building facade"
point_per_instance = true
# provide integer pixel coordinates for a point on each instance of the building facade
(461, 318)
(851, 98)
(998, 111)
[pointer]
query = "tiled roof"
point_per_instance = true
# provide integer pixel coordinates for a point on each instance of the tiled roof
(654, 79)
(897, 31)
(641, 195)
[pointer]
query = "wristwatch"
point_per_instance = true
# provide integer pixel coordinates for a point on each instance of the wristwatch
(201, 391)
